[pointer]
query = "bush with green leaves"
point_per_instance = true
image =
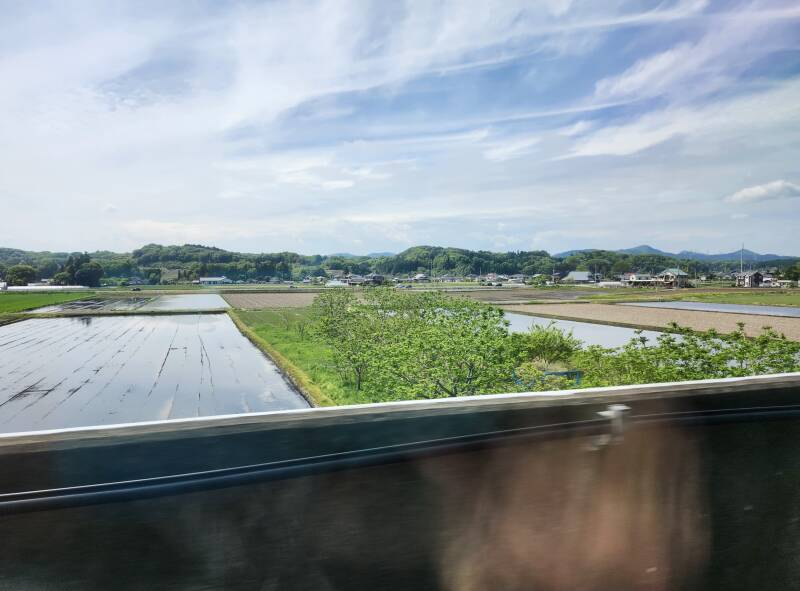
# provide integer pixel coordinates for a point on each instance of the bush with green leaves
(393, 345)
(400, 345)
(549, 346)
(687, 354)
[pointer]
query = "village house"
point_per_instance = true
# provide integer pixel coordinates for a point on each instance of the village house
(748, 279)
(578, 277)
(375, 279)
(447, 279)
(638, 280)
(673, 277)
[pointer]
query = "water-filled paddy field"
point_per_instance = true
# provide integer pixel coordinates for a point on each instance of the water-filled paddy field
(70, 372)
(96, 305)
(591, 334)
(759, 310)
(175, 303)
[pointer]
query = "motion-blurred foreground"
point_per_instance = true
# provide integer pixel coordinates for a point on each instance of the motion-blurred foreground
(674, 486)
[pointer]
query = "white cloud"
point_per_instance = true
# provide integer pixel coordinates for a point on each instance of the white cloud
(729, 45)
(510, 148)
(763, 115)
(648, 76)
(577, 128)
(768, 191)
(220, 127)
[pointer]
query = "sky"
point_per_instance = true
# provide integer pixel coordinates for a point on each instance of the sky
(326, 126)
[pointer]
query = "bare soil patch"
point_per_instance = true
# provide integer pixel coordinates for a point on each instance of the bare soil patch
(259, 301)
(520, 294)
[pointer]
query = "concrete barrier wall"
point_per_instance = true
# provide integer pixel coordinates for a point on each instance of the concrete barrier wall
(693, 485)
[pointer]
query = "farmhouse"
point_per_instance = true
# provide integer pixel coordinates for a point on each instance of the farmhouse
(447, 279)
(375, 279)
(355, 280)
(638, 280)
(673, 277)
(748, 279)
(578, 277)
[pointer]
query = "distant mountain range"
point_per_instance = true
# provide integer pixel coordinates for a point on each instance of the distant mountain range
(748, 255)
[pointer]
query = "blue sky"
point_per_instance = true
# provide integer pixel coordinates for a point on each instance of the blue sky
(329, 126)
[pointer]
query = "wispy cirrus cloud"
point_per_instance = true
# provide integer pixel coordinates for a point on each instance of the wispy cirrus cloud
(392, 123)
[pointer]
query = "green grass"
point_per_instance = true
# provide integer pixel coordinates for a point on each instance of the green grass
(308, 362)
(18, 302)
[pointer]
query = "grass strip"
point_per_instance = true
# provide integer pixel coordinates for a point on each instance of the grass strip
(18, 302)
(297, 376)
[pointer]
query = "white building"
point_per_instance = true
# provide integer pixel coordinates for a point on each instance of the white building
(215, 280)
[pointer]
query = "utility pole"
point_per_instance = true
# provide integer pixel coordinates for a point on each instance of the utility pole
(741, 259)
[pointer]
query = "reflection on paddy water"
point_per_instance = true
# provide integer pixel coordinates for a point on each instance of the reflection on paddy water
(205, 301)
(787, 311)
(96, 305)
(591, 334)
(69, 372)
(210, 301)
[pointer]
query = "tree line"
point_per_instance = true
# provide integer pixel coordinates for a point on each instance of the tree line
(77, 269)
(193, 260)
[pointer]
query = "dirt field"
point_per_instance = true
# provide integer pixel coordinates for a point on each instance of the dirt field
(520, 294)
(258, 301)
(660, 317)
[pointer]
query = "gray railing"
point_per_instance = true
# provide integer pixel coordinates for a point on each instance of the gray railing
(688, 485)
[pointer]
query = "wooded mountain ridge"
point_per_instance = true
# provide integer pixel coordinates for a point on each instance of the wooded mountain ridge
(190, 261)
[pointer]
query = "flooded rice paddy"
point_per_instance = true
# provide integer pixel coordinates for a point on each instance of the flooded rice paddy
(171, 303)
(783, 311)
(97, 305)
(589, 333)
(203, 301)
(70, 372)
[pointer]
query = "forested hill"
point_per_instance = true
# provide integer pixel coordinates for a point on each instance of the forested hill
(193, 260)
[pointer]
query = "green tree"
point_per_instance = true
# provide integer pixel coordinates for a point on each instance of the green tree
(339, 320)
(61, 278)
(401, 345)
(620, 267)
(20, 275)
(73, 263)
(89, 274)
(688, 355)
(547, 345)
